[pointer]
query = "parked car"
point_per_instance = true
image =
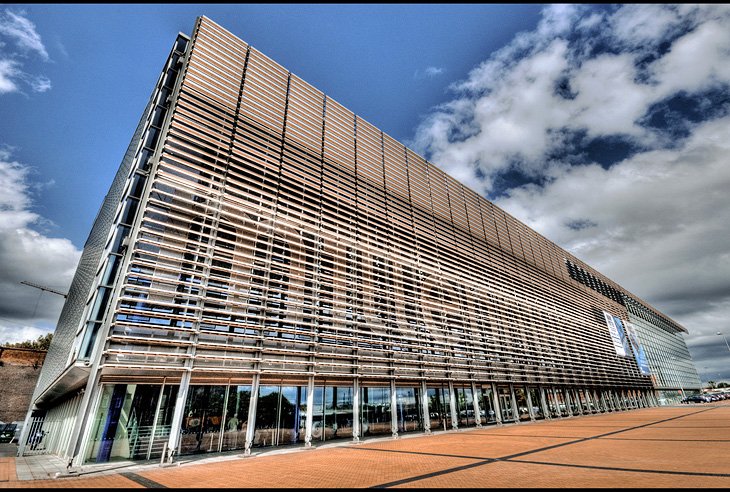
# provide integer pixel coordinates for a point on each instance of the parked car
(695, 399)
(7, 432)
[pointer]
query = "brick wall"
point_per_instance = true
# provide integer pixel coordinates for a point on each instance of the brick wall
(19, 371)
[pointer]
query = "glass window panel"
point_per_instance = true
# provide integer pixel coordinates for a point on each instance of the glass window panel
(408, 410)
(124, 423)
(487, 406)
(438, 407)
(521, 398)
(201, 426)
(536, 403)
(164, 420)
(375, 411)
(505, 403)
(234, 432)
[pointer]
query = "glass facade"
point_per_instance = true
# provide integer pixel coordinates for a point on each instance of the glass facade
(133, 422)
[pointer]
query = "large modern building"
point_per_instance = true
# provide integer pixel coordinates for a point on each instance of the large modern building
(268, 268)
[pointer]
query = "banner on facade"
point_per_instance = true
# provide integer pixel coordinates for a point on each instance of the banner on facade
(616, 335)
(639, 353)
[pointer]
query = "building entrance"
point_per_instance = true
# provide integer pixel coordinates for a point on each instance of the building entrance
(486, 406)
(505, 404)
(439, 407)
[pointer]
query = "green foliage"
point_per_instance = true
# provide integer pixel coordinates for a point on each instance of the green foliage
(41, 343)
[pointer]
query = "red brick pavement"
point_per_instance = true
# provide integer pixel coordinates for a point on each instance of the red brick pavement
(664, 447)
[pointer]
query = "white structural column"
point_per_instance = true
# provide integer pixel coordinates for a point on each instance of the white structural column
(253, 403)
(557, 402)
(515, 410)
(654, 399)
(530, 410)
(424, 408)
(477, 410)
(495, 403)
(393, 409)
(590, 408)
(566, 393)
(356, 410)
(543, 402)
(607, 401)
(177, 416)
(452, 405)
(80, 433)
(310, 412)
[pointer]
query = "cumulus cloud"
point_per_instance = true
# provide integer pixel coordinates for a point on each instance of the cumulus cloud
(524, 126)
(27, 255)
(20, 33)
(569, 77)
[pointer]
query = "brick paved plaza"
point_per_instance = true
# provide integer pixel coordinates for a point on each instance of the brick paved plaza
(686, 446)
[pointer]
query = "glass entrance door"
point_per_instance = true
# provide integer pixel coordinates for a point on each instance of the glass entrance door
(375, 416)
(537, 409)
(521, 397)
(552, 403)
(409, 409)
(439, 408)
(505, 403)
(280, 415)
(486, 406)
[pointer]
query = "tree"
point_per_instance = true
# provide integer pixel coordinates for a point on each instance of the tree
(41, 343)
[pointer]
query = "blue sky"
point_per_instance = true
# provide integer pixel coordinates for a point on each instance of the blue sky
(605, 128)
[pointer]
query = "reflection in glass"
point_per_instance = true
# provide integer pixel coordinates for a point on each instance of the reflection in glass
(465, 406)
(536, 403)
(552, 404)
(332, 413)
(280, 415)
(505, 403)
(234, 430)
(439, 409)
(164, 421)
(410, 415)
(521, 398)
(487, 406)
(201, 425)
(375, 415)
(562, 408)
(124, 427)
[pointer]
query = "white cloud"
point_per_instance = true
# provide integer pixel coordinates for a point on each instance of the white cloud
(13, 76)
(19, 333)
(429, 72)
(655, 221)
(8, 71)
(21, 30)
(41, 84)
(27, 255)
(510, 113)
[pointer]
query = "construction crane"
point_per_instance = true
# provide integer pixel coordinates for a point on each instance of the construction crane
(44, 288)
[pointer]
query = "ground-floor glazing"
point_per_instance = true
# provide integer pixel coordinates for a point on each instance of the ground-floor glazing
(135, 421)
